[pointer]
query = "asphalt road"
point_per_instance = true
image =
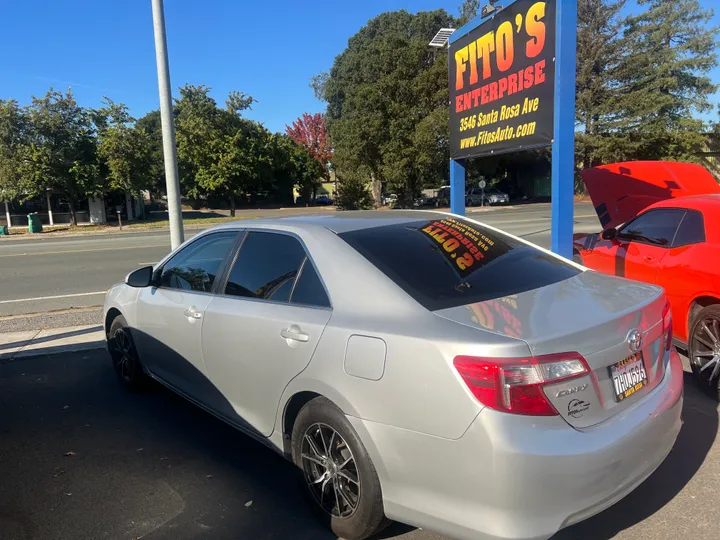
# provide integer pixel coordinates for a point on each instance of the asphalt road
(81, 458)
(38, 275)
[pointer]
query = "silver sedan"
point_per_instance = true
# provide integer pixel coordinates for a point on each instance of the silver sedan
(414, 366)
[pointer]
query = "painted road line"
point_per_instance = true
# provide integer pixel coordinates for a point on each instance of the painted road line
(39, 298)
(83, 250)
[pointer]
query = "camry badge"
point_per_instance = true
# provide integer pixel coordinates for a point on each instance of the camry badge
(634, 340)
(572, 390)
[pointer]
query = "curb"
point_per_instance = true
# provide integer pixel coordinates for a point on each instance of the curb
(23, 355)
(16, 345)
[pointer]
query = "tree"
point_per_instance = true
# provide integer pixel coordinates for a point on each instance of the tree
(468, 10)
(221, 152)
(242, 164)
(13, 124)
(124, 149)
(61, 150)
(386, 92)
(199, 133)
(309, 131)
(663, 75)
(318, 83)
(151, 125)
(598, 48)
(353, 193)
(294, 167)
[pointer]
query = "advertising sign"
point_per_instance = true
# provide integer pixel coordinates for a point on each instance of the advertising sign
(502, 77)
(465, 248)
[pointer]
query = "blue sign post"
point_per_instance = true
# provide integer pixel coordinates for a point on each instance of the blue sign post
(457, 186)
(512, 88)
(563, 148)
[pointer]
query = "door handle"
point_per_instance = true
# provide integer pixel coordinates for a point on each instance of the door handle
(649, 259)
(294, 333)
(193, 313)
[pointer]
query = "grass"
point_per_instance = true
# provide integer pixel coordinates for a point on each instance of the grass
(186, 222)
(135, 225)
(59, 228)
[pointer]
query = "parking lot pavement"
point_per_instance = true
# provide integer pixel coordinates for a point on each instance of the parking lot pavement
(81, 458)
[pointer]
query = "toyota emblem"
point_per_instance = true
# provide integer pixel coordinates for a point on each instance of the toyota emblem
(634, 340)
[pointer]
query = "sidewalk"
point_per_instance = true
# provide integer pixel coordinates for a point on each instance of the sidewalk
(15, 345)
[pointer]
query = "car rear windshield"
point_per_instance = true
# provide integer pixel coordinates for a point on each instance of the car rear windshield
(450, 262)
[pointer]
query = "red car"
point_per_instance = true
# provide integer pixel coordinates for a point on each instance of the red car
(661, 225)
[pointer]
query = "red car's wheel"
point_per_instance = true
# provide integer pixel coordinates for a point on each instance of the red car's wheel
(704, 349)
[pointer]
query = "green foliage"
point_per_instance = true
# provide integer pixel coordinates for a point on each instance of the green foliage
(387, 104)
(598, 49)
(353, 192)
(319, 83)
(663, 80)
(222, 153)
(469, 10)
(60, 150)
(151, 124)
(294, 166)
(12, 143)
(219, 151)
(124, 148)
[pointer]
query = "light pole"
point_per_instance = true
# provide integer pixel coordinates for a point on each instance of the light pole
(172, 178)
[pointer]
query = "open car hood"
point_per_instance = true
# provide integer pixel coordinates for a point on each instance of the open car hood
(620, 191)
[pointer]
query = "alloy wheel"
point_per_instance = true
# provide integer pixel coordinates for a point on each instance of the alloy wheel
(705, 349)
(123, 354)
(330, 470)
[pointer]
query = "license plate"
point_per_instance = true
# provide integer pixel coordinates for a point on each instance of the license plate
(628, 376)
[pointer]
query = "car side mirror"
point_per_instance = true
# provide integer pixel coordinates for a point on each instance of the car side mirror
(142, 277)
(609, 234)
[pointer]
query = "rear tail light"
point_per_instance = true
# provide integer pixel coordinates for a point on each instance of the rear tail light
(667, 327)
(515, 385)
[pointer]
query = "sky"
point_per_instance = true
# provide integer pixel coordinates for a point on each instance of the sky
(268, 49)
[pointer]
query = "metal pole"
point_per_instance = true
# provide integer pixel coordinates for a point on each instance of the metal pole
(50, 216)
(563, 149)
(457, 186)
(172, 177)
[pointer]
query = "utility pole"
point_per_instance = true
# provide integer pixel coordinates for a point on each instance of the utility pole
(172, 177)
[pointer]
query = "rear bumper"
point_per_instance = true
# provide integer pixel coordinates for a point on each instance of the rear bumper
(523, 478)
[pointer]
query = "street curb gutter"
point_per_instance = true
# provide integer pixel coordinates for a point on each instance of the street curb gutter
(17, 345)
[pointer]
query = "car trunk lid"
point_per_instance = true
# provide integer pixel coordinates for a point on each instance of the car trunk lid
(591, 314)
(620, 191)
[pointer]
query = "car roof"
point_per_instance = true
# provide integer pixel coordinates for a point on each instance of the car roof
(692, 202)
(339, 222)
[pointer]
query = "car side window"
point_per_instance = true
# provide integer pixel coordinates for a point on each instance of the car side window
(655, 227)
(309, 289)
(266, 267)
(196, 266)
(691, 230)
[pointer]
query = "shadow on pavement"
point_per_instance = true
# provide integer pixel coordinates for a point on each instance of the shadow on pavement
(696, 438)
(84, 458)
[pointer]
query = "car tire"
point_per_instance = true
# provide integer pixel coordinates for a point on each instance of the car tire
(124, 356)
(704, 349)
(577, 259)
(347, 499)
